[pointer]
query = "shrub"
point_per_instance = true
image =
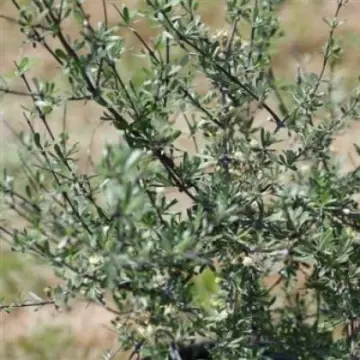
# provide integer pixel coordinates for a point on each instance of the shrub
(254, 208)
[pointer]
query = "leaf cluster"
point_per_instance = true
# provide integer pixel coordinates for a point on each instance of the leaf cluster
(252, 211)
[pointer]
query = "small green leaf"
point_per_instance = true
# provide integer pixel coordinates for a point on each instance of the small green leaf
(37, 140)
(78, 16)
(174, 70)
(132, 159)
(204, 288)
(120, 124)
(184, 60)
(186, 243)
(357, 149)
(58, 151)
(25, 65)
(126, 14)
(173, 136)
(61, 54)
(28, 191)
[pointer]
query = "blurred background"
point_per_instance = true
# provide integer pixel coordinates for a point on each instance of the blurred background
(85, 331)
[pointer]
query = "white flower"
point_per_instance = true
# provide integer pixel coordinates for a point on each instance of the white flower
(95, 259)
(254, 143)
(247, 261)
(63, 243)
(239, 155)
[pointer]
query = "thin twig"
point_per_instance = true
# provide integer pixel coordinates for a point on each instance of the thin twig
(34, 94)
(23, 305)
(106, 20)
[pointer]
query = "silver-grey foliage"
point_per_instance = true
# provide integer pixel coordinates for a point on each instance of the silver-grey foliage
(174, 276)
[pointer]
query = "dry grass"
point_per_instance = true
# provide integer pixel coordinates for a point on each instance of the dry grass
(306, 33)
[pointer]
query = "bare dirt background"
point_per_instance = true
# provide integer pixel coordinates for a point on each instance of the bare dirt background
(84, 331)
